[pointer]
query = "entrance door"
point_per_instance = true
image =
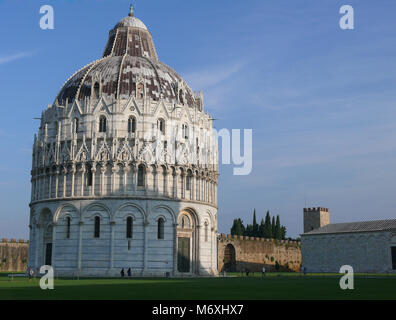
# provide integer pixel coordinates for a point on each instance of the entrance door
(229, 258)
(183, 254)
(48, 254)
(393, 258)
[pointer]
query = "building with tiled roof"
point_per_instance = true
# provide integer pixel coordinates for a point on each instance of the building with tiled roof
(367, 246)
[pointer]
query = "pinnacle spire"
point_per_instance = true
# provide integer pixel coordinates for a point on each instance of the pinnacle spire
(131, 9)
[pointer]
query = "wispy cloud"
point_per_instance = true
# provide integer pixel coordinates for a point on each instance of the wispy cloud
(212, 75)
(15, 56)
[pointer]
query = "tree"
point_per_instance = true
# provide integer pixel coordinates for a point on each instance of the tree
(262, 228)
(237, 227)
(283, 232)
(273, 225)
(278, 232)
(255, 225)
(267, 226)
(249, 231)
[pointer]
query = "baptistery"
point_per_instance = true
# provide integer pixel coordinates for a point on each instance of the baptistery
(125, 169)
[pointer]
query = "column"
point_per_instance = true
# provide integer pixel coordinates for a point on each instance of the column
(147, 184)
(57, 173)
(50, 184)
(126, 173)
(174, 248)
(53, 245)
(134, 178)
(38, 186)
(64, 181)
(83, 170)
(73, 171)
(37, 234)
(145, 226)
(93, 170)
(174, 184)
(112, 228)
(197, 249)
(32, 181)
(165, 182)
(102, 178)
(79, 257)
(114, 171)
(192, 186)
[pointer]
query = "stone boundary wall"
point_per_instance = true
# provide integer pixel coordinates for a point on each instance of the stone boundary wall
(253, 253)
(13, 254)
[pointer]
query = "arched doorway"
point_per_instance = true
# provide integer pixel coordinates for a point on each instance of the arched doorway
(48, 245)
(186, 243)
(229, 258)
(46, 230)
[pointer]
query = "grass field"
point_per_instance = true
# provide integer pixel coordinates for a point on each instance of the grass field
(273, 286)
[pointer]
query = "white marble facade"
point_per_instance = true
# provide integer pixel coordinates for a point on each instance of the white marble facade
(124, 170)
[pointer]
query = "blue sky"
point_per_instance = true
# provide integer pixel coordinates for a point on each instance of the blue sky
(320, 100)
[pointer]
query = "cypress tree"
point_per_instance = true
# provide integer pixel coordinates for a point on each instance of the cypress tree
(255, 225)
(273, 227)
(267, 226)
(249, 230)
(237, 227)
(262, 228)
(283, 232)
(278, 231)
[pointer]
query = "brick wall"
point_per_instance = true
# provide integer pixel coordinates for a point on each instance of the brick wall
(254, 253)
(13, 255)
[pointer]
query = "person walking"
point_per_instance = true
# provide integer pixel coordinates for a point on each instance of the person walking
(129, 273)
(122, 273)
(30, 274)
(263, 272)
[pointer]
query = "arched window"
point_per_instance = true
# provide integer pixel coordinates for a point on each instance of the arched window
(185, 131)
(129, 227)
(160, 232)
(96, 90)
(75, 124)
(132, 124)
(140, 91)
(206, 231)
(97, 227)
(102, 124)
(181, 98)
(188, 180)
(161, 126)
(141, 172)
(68, 223)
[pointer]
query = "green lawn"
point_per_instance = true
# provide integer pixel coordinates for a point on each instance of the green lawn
(273, 286)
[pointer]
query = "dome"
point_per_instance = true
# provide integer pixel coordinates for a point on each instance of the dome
(118, 76)
(129, 58)
(131, 21)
